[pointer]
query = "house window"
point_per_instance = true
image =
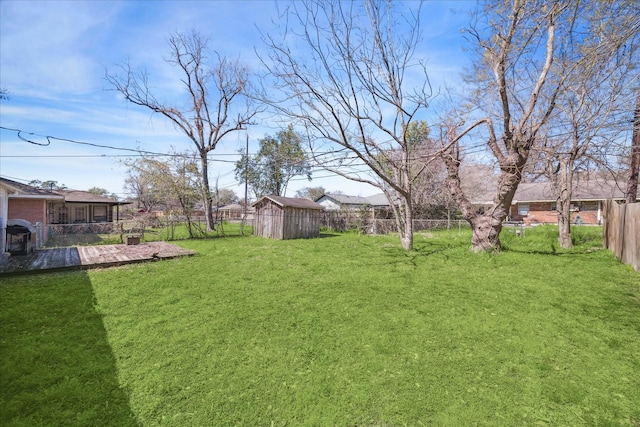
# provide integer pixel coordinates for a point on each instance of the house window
(523, 209)
(80, 214)
(63, 215)
(100, 214)
(554, 206)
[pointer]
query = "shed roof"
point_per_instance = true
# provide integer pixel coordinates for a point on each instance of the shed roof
(292, 202)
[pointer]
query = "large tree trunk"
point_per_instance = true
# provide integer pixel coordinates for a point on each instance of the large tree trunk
(403, 216)
(406, 235)
(564, 223)
(206, 189)
(486, 227)
(563, 204)
(485, 233)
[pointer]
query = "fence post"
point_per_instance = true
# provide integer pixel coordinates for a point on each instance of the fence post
(39, 235)
(623, 229)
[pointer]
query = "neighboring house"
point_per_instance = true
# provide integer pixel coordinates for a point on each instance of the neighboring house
(82, 207)
(332, 202)
(21, 208)
(29, 207)
(233, 211)
(286, 218)
(535, 202)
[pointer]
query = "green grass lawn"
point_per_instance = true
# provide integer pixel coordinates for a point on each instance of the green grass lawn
(344, 330)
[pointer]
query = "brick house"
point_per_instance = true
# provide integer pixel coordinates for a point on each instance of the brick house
(535, 202)
(332, 202)
(25, 209)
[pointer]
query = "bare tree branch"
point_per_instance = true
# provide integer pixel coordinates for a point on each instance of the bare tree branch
(353, 92)
(215, 92)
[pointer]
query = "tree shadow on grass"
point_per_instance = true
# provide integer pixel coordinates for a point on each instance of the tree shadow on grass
(397, 256)
(326, 234)
(553, 250)
(57, 367)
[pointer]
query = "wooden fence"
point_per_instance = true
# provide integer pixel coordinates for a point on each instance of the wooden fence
(621, 233)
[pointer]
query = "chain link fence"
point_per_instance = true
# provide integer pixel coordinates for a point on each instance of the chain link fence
(175, 227)
(363, 222)
(140, 229)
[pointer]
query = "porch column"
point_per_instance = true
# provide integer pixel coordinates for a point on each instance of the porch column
(599, 212)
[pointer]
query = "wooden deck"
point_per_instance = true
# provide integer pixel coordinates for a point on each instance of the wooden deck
(84, 257)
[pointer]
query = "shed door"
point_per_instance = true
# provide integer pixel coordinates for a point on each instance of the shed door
(267, 222)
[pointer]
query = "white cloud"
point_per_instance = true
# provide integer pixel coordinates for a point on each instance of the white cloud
(48, 46)
(53, 56)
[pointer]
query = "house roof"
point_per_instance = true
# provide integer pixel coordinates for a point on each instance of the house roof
(232, 207)
(292, 202)
(74, 196)
(376, 200)
(19, 190)
(583, 190)
(343, 199)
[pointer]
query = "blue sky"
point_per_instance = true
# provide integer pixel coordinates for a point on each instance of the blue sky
(53, 56)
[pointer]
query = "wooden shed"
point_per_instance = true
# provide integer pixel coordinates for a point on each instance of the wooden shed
(286, 218)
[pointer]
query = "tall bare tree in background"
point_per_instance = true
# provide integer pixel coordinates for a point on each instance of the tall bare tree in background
(216, 99)
(173, 184)
(516, 45)
(356, 89)
(429, 196)
(634, 158)
(311, 193)
(598, 73)
(528, 52)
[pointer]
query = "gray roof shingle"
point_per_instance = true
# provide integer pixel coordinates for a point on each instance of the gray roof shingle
(292, 202)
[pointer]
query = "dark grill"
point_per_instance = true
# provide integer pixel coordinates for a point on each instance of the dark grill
(19, 240)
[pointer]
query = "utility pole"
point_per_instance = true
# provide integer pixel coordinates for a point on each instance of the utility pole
(246, 187)
(634, 161)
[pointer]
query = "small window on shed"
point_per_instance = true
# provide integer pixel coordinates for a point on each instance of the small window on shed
(523, 209)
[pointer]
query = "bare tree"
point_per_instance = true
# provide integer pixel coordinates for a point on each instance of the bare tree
(140, 185)
(174, 184)
(516, 46)
(225, 196)
(634, 159)
(430, 200)
(597, 74)
(356, 90)
(311, 193)
(217, 106)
